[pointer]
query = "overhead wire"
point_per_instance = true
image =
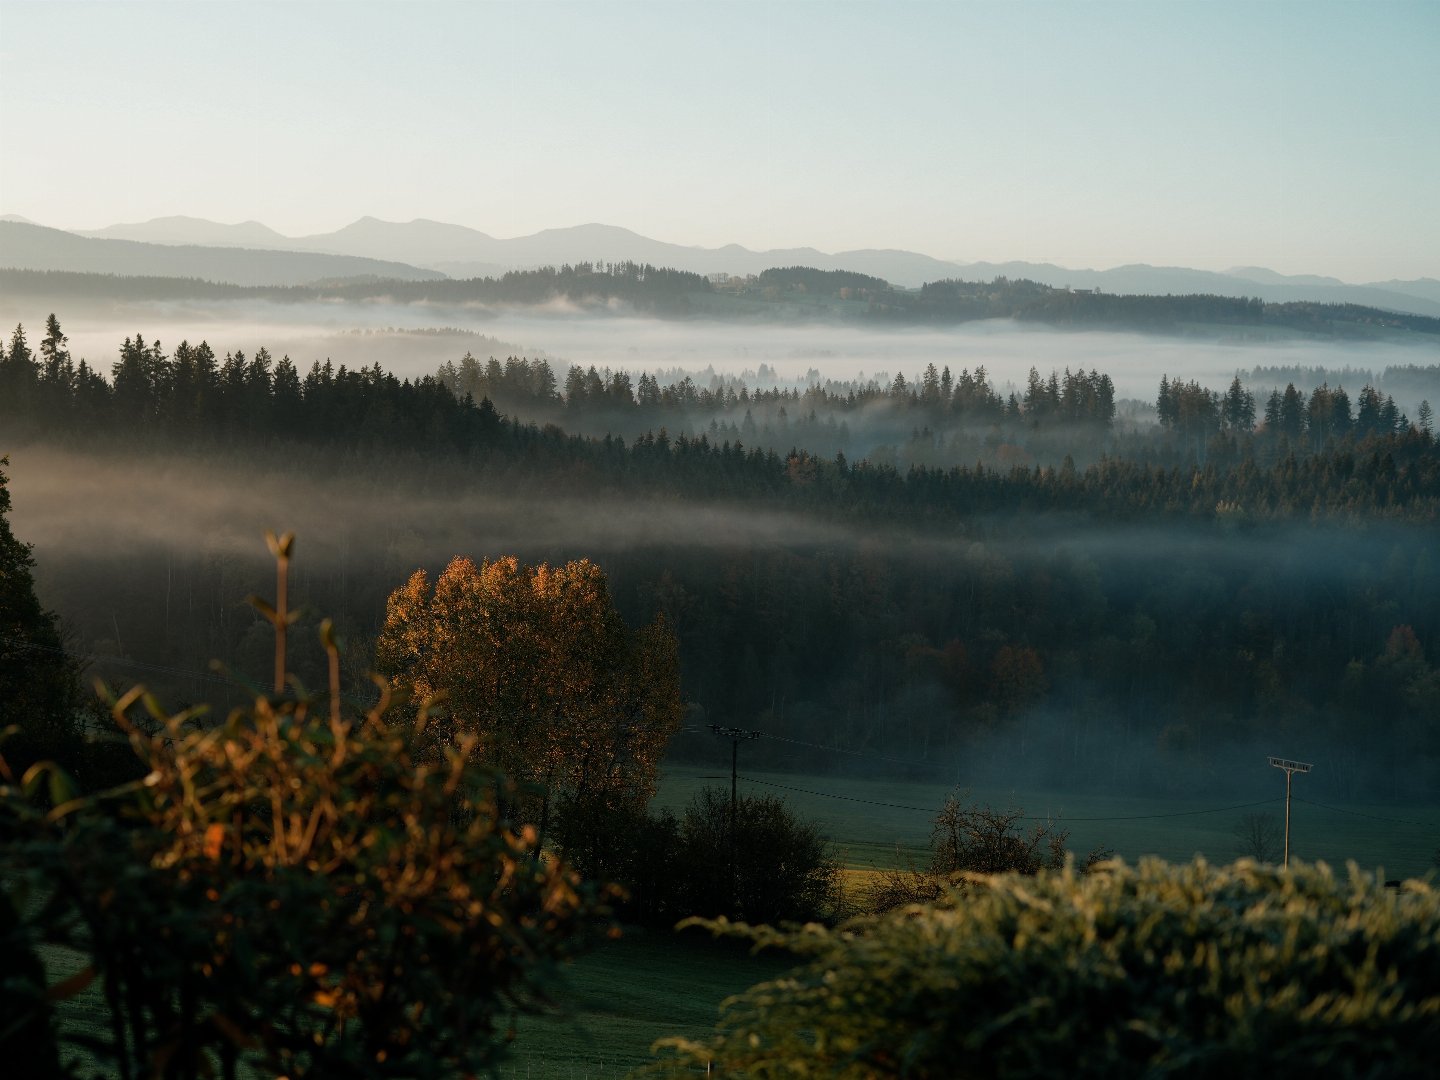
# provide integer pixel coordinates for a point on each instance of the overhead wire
(913, 762)
(1028, 817)
(90, 659)
(1372, 817)
(1023, 817)
(223, 680)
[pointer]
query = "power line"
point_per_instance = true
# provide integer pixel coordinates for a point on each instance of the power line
(912, 762)
(1179, 813)
(915, 763)
(1025, 817)
(846, 798)
(1372, 817)
(90, 660)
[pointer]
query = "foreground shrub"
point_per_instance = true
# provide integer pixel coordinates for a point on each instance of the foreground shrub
(293, 890)
(1153, 970)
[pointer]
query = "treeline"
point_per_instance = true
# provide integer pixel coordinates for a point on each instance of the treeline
(1392, 469)
(1291, 417)
(1114, 622)
(959, 417)
(646, 288)
(1413, 382)
(953, 300)
(776, 294)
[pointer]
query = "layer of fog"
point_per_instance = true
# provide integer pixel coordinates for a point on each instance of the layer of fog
(412, 340)
(73, 505)
(108, 531)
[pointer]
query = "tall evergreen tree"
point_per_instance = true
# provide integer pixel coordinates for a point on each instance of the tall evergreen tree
(39, 690)
(18, 373)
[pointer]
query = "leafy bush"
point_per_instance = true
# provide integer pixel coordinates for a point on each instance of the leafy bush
(782, 869)
(779, 868)
(1239, 971)
(293, 889)
(616, 841)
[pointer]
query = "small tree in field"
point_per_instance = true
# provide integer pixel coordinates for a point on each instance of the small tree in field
(1258, 836)
(293, 891)
(973, 839)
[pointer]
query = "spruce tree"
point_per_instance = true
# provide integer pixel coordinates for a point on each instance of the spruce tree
(39, 691)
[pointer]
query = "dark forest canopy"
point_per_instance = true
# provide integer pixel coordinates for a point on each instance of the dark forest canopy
(788, 294)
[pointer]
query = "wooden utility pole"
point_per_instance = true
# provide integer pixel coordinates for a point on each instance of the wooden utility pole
(735, 735)
(1290, 768)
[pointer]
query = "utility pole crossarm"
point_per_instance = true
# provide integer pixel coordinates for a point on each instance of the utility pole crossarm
(734, 734)
(1291, 766)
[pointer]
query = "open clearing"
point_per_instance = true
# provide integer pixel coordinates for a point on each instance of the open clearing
(871, 824)
(648, 985)
(618, 1000)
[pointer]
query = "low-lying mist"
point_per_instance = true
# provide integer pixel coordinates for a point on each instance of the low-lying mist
(1044, 652)
(411, 340)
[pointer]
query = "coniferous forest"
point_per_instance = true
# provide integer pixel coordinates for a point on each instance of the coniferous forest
(1020, 582)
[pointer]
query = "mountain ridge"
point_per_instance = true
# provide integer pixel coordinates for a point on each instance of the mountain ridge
(36, 247)
(460, 251)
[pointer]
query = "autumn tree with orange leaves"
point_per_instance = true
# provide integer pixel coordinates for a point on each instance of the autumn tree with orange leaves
(537, 663)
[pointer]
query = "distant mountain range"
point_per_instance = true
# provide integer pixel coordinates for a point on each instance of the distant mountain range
(25, 246)
(424, 249)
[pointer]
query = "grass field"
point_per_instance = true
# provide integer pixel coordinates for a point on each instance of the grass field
(618, 1000)
(651, 984)
(864, 820)
(629, 993)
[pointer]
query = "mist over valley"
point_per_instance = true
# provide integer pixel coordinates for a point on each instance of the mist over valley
(500, 501)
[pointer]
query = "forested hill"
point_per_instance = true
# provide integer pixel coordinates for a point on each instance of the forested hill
(788, 294)
(1129, 622)
(1206, 458)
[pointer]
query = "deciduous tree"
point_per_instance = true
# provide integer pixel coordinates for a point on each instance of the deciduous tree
(539, 666)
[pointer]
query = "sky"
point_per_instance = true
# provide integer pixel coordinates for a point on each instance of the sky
(1300, 136)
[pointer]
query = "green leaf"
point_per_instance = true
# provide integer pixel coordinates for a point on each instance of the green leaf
(62, 786)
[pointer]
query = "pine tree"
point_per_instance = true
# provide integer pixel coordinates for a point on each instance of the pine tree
(56, 370)
(1165, 409)
(39, 689)
(18, 373)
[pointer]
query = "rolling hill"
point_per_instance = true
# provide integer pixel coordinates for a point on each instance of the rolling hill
(34, 247)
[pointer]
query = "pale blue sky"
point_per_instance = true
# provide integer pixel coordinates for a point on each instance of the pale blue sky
(1300, 136)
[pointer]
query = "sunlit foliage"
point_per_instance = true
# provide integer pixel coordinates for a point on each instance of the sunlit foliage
(1146, 971)
(544, 679)
(291, 891)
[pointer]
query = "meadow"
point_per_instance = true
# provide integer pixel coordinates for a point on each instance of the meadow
(617, 1001)
(648, 984)
(877, 823)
